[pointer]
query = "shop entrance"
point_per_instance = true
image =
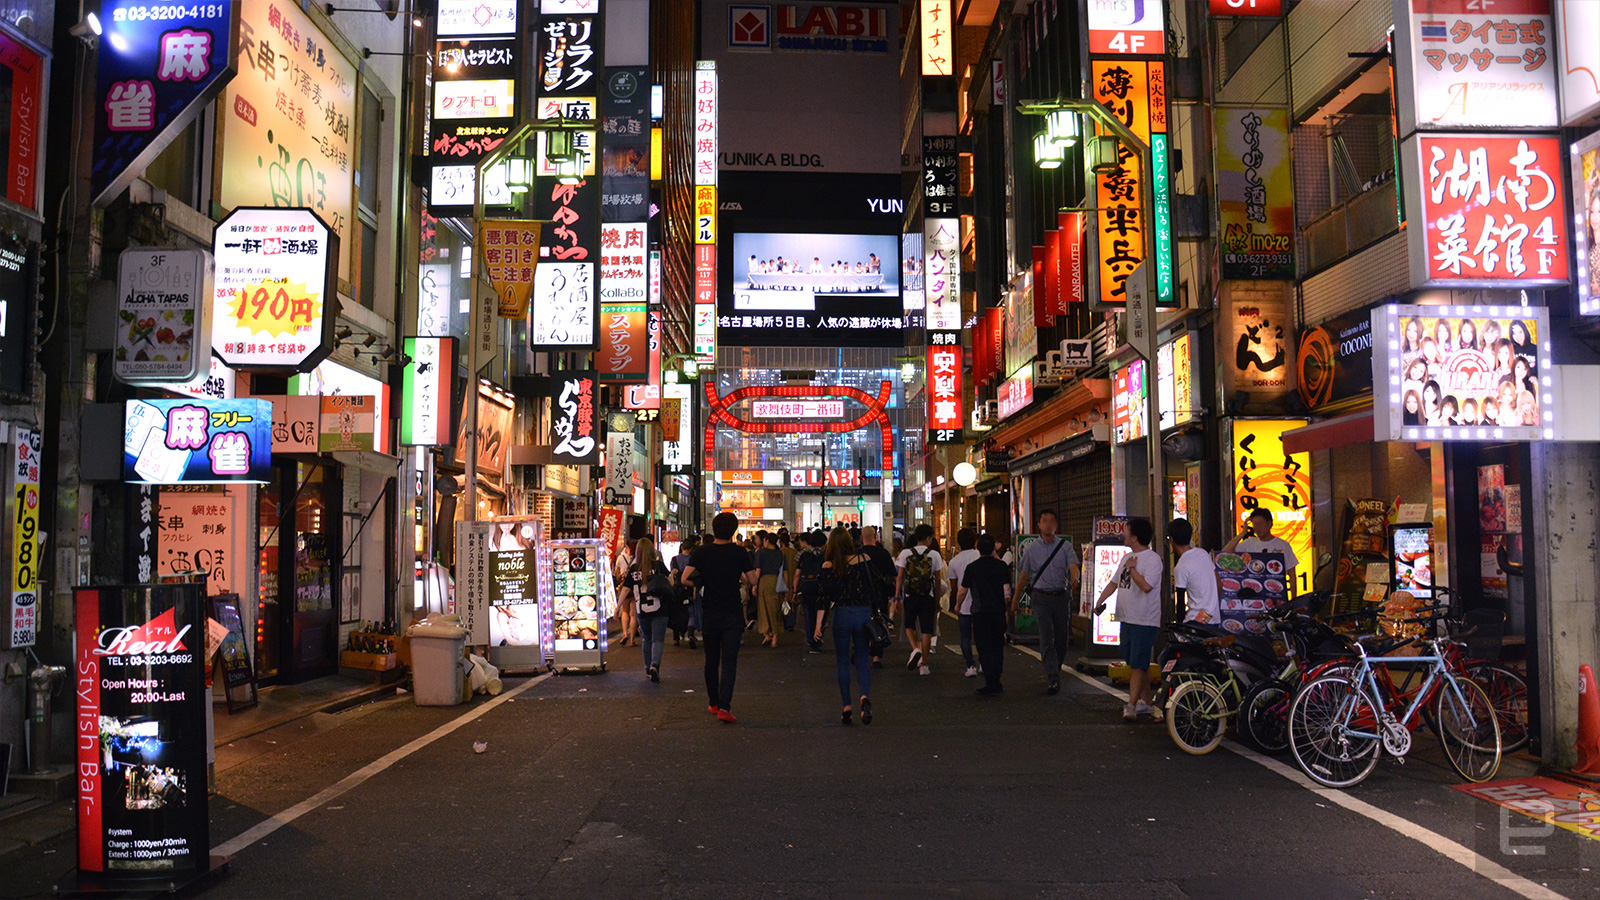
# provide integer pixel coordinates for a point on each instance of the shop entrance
(298, 625)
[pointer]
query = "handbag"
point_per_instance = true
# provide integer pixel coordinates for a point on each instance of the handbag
(878, 638)
(783, 580)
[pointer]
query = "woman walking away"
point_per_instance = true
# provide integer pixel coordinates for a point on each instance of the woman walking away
(646, 582)
(848, 587)
(689, 600)
(769, 605)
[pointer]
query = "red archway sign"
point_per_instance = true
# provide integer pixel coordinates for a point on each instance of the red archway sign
(875, 414)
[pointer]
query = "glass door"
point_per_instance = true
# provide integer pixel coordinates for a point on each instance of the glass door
(314, 570)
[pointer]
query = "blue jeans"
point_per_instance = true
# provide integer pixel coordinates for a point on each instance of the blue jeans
(654, 629)
(965, 621)
(850, 629)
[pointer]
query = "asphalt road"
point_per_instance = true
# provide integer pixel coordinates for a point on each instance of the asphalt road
(607, 786)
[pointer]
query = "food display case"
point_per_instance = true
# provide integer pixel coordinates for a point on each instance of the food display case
(576, 596)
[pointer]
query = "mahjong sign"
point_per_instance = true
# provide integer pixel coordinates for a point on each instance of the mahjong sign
(273, 307)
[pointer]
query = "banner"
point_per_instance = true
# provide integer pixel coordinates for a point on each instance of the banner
(195, 441)
(611, 531)
(1462, 64)
(1255, 198)
(510, 261)
(22, 616)
(163, 315)
(275, 289)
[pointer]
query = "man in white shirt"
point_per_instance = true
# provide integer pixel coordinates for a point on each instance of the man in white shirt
(917, 587)
(1194, 577)
(1257, 538)
(1138, 587)
(967, 540)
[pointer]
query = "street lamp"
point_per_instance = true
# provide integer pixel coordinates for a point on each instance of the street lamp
(1102, 156)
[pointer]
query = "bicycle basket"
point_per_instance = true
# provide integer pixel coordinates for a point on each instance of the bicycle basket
(1483, 632)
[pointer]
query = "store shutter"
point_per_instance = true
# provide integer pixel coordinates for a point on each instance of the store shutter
(1078, 491)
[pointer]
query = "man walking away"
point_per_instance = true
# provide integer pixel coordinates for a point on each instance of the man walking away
(986, 590)
(967, 540)
(1138, 587)
(883, 567)
(1194, 576)
(918, 583)
(718, 569)
(807, 583)
(1050, 568)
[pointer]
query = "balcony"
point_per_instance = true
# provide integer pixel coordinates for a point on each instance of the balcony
(1347, 228)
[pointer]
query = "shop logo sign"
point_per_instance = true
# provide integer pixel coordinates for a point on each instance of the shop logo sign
(748, 27)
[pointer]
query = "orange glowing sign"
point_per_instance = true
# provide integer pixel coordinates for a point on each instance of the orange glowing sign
(1266, 477)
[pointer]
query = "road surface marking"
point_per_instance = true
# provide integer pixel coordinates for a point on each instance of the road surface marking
(360, 776)
(1434, 841)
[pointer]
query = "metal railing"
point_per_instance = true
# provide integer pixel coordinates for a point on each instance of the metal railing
(1357, 223)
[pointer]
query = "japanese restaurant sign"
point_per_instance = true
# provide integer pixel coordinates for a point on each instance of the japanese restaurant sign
(574, 418)
(647, 396)
(347, 423)
(1255, 198)
(197, 536)
(1015, 393)
(153, 75)
(197, 441)
(1264, 476)
(510, 257)
(476, 77)
(425, 420)
(1135, 92)
(1475, 64)
(938, 38)
(945, 416)
(22, 608)
(565, 308)
(163, 315)
(1069, 264)
(619, 468)
(274, 304)
(705, 212)
(289, 119)
(1492, 210)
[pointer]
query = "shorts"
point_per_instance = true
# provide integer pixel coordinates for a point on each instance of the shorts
(921, 613)
(1138, 642)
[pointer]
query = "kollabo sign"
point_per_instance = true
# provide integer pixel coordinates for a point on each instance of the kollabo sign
(140, 730)
(274, 306)
(164, 315)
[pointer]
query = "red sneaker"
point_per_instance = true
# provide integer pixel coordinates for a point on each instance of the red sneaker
(725, 717)
(712, 709)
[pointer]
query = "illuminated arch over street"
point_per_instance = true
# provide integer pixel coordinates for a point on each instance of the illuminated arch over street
(876, 412)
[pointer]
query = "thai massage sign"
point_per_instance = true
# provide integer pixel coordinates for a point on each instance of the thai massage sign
(273, 308)
(574, 417)
(1492, 211)
(289, 119)
(1475, 64)
(197, 441)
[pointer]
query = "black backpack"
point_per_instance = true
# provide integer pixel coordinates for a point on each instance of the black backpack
(809, 567)
(656, 593)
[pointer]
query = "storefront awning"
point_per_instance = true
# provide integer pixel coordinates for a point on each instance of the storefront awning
(1339, 431)
(369, 461)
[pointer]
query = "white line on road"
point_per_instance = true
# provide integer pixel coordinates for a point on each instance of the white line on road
(1434, 841)
(360, 776)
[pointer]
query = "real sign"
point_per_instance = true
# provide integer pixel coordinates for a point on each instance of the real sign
(274, 306)
(163, 315)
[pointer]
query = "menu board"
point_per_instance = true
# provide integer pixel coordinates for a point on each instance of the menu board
(1413, 559)
(1250, 583)
(1366, 522)
(575, 597)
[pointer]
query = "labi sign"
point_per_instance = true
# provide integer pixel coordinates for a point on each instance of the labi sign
(140, 733)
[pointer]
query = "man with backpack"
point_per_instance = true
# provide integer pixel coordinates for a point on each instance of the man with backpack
(1051, 568)
(807, 585)
(917, 587)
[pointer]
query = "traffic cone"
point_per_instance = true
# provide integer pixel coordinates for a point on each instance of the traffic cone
(1588, 742)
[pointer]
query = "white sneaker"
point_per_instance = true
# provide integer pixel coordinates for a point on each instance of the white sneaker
(1145, 709)
(972, 672)
(933, 642)
(916, 657)
(924, 670)
(1128, 715)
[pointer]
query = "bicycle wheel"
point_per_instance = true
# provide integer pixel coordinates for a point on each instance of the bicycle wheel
(1468, 731)
(1509, 694)
(1196, 716)
(1264, 716)
(1323, 720)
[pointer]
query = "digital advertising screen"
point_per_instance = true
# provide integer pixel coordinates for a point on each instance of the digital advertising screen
(828, 283)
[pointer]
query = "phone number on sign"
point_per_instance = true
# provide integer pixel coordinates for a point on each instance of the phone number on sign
(164, 13)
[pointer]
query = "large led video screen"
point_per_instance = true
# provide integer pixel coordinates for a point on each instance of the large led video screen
(792, 288)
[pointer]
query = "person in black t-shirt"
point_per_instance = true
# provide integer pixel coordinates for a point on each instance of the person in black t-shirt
(717, 570)
(883, 567)
(988, 581)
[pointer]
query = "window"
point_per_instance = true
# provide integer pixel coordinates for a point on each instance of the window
(368, 176)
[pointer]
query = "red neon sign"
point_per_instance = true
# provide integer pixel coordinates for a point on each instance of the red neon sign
(874, 414)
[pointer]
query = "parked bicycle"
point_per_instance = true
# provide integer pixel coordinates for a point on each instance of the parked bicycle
(1341, 723)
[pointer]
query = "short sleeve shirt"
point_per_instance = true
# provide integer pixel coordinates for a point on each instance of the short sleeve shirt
(1058, 575)
(958, 570)
(718, 569)
(1196, 574)
(1270, 545)
(986, 580)
(1136, 606)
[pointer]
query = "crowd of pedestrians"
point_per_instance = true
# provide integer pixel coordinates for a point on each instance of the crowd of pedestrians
(722, 584)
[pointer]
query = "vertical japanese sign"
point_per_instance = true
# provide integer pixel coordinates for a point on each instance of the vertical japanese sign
(625, 162)
(288, 119)
(197, 536)
(574, 419)
(141, 536)
(1470, 64)
(941, 234)
(273, 280)
(1134, 27)
(1258, 324)
(624, 342)
(938, 38)
(1069, 263)
(945, 416)
(426, 417)
(1021, 335)
(510, 249)
(565, 296)
(197, 441)
(619, 468)
(1586, 197)
(19, 176)
(677, 424)
(1255, 199)
(472, 578)
(139, 677)
(705, 212)
(477, 67)
(611, 531)
(648, 395)
(153, 75)
(1266, 477)
(1135, 92)
(1492, 210)
(22, 614)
